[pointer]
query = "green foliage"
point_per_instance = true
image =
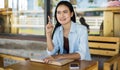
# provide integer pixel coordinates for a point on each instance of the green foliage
(54, 2)
(73, 2)
(41, 3)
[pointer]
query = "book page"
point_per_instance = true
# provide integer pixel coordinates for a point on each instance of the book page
(58, 62)
(38, 57)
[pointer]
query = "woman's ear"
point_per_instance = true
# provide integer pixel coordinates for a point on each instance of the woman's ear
(72, 14)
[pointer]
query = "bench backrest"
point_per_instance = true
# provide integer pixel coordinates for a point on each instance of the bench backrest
(106, 46)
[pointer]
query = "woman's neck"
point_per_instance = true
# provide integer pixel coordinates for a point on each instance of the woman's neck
(66, 27)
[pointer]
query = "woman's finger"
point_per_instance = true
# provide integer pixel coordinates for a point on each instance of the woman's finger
(48, 18)
(46, 61)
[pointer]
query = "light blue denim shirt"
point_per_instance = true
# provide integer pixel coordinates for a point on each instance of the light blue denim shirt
(78, 41)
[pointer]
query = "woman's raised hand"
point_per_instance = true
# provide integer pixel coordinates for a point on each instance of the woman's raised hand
(49, 26)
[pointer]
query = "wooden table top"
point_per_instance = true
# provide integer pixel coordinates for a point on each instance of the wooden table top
(29, 65)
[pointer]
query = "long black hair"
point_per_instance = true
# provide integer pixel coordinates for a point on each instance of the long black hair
(69, 5)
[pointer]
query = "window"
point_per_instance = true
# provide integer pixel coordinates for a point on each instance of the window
(93, 18)
(27, 17)
(1, 3)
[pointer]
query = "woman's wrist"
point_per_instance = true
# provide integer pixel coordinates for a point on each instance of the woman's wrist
(48, 34)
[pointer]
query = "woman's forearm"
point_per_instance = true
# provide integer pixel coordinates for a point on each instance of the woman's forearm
(67, 56)
(49, 42)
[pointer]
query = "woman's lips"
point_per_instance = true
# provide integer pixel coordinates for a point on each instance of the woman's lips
(63, 19)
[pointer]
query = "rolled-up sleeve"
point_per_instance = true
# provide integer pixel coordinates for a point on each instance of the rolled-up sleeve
(55, 45)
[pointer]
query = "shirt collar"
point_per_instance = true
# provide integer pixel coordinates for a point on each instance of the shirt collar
(72, 28)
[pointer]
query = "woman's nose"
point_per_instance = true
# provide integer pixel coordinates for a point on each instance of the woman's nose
(62, 14)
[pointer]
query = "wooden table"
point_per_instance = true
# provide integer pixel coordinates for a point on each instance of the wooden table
(29, 65)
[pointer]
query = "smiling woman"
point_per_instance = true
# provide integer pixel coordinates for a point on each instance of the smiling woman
(67, 40)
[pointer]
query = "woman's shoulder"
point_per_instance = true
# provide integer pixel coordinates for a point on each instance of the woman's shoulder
(58, 29)
(79, 26)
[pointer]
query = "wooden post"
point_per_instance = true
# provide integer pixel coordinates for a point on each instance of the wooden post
(5, 3)
(106, 66)
(1, 62)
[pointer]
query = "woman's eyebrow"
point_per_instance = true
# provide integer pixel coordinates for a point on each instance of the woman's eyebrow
(62, 10)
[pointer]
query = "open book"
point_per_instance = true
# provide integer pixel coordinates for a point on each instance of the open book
(58, 62)
(38, 57)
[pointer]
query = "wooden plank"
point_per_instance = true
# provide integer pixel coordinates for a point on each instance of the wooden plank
(1, 68)
(106, 66)
(104, 39)
(115, 66)
(95, 67)
(13, 57)
(103, 45)
(103, 52)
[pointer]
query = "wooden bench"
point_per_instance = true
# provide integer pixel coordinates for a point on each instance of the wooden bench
(13, 57)
(5, 68)
(18, 58)
(106, 48)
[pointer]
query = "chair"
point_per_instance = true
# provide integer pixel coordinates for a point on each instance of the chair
(115, 61)
(105, 50)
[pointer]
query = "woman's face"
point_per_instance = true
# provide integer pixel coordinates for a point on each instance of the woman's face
(63, 14)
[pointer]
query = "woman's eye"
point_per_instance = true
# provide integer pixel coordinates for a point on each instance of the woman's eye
(65, 11)
(58, 12)
(62, 12)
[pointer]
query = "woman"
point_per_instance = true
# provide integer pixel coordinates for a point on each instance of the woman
(68, 38)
